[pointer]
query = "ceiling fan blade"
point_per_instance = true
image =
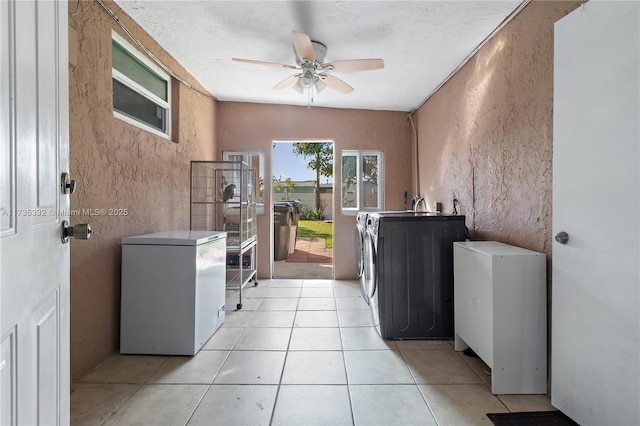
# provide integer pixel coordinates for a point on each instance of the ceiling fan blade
(271, 64)
(303, 46)
(336, 83)
(356, 65)
(292, 79)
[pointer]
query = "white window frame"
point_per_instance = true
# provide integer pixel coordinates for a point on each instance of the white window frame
(351, 211)
(142, 90)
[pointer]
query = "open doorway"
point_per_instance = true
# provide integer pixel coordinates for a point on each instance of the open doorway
(302, 213)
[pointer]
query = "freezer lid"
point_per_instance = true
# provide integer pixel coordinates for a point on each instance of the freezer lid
(175, 238)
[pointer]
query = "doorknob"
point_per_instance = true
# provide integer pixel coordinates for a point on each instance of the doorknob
(81, 231)
(67, 185)
(562, 237)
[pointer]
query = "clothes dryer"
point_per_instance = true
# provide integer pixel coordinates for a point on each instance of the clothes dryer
(409, 273)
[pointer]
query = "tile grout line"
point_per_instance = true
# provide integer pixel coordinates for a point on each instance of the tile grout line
(344, 359)
(123, 402)
(140, 385)
(211, 383)
(284, 363)
(219, 368)
(235, 342)
(424, 397)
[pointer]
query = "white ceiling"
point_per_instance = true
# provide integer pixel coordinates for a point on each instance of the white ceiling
(421, 43)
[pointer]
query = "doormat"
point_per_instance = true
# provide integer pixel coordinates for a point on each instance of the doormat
(533, 418)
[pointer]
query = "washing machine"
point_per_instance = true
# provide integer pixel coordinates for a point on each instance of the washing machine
(359, 237)
(367, 252)
(409, 273)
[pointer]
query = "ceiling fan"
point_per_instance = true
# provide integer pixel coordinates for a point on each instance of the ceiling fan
(313, 72)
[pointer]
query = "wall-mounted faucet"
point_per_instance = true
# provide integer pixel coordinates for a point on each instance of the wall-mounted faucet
(415, 203)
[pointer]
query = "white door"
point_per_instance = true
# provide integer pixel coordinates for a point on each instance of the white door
(595, 333)
(34, 279)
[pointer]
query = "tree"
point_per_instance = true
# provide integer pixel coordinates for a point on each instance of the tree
(321, 154)
(279, 185)
(370, 169)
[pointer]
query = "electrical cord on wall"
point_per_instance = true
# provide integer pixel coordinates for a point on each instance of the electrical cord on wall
(145, 50)
(415, 133)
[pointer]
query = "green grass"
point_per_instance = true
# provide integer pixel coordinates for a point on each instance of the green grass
(317, 229)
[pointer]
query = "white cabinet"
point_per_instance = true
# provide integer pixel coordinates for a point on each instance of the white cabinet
(173, 291)
(500, 300)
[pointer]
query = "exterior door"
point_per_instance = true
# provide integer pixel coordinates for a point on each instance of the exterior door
(34, 276)
(595, 332)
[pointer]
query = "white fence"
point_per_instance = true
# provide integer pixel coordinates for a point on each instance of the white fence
(305, 193)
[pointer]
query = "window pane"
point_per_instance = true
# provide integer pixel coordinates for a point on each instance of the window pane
(235, 157)
(130, 66)
(349, 181)
(136, 106)
(370, 181)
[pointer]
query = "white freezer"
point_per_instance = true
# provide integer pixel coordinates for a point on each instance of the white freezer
(173, 291)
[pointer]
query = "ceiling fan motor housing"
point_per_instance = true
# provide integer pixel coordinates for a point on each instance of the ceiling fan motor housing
(319, 51)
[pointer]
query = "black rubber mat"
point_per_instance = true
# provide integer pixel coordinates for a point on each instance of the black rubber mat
(534, 418)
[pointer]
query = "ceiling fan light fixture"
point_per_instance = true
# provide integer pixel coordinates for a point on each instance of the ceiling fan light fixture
(297, 87)
(320, 86)
(307, 79)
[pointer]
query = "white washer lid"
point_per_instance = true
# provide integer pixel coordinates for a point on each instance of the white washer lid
(175, 238)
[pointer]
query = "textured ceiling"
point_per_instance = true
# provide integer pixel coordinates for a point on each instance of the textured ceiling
(421, 43)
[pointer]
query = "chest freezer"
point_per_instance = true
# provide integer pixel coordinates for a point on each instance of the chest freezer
(172, 292)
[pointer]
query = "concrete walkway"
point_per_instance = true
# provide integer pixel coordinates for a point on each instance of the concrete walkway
(311, 250)
(311, 260)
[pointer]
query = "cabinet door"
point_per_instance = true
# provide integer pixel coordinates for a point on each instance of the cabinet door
(464, 295)
(483, 321)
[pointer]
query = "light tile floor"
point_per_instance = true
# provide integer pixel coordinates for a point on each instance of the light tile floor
(299, 352)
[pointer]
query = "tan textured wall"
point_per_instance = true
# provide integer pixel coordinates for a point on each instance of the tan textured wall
(485, 138)
(117, 165)
(247, 126)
